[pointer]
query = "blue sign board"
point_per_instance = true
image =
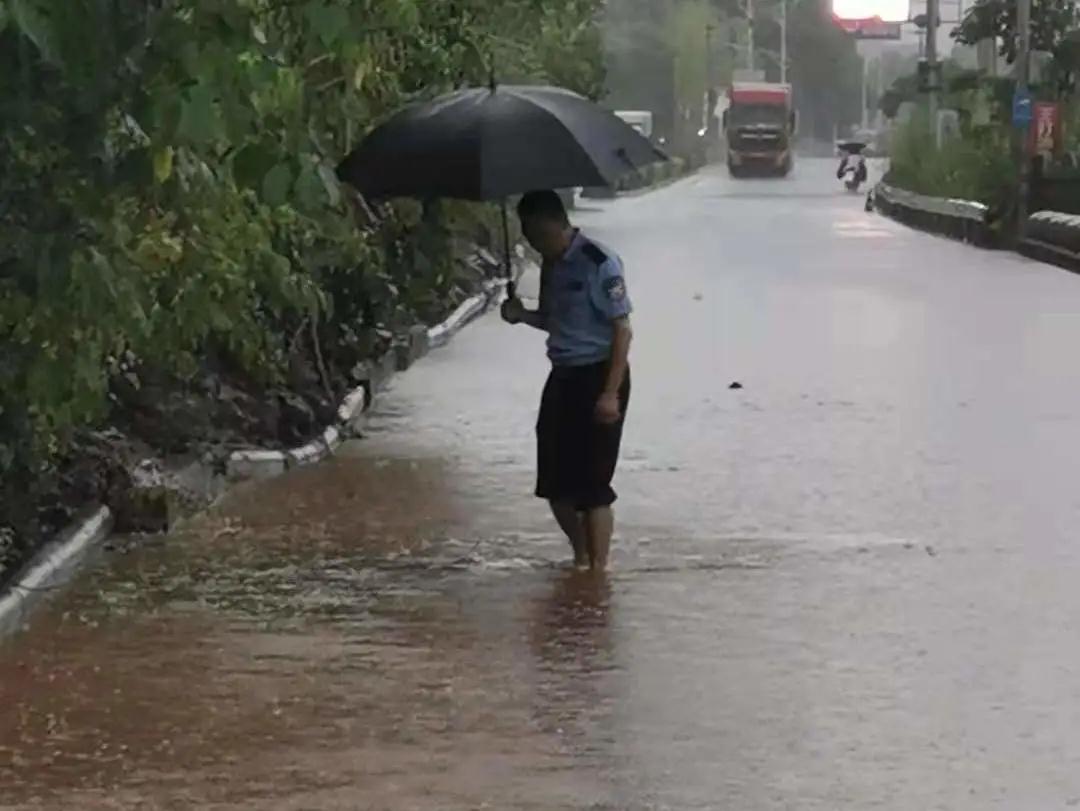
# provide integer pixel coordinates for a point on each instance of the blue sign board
(1021, 112)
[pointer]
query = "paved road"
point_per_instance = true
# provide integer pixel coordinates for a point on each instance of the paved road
(849, 585)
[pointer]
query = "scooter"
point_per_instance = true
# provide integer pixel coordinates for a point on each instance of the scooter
(852, 171)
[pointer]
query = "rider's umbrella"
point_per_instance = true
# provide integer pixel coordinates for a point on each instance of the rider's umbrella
(490, 143)
(851, 147)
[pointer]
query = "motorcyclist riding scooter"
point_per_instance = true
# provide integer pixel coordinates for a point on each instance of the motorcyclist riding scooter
(852, 169)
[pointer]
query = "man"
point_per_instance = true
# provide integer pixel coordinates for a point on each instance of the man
(857, 160)
(585, 310)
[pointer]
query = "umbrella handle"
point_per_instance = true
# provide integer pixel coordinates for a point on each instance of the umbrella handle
(511, 288)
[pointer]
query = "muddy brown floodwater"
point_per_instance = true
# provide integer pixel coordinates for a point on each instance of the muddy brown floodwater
(850, 584)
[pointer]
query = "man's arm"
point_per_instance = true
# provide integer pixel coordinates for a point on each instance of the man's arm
(608, 291)
(514, 312)
(608, 409)
(620, 355)
(535, 319)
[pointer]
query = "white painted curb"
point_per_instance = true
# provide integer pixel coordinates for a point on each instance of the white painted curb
(243, 465)
(263, 464)
(466, 312)
(46, 569)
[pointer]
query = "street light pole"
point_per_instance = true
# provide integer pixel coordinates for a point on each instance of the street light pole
(932, 14)
(865, 88)
(1023, 77)
(708, 54)
(783, 41)
(750, 38)
(710, 90)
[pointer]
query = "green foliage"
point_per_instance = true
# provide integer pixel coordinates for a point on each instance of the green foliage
(1051, 20)
(977, 166)
(1053, 27)
(168, 181)
(963, 89)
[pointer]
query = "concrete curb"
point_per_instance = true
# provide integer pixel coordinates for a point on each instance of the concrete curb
(668, 177)
(43, 573)
(467, 311)
(266, 464)
(660, 184)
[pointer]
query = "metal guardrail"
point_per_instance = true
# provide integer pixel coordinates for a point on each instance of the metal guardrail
(1054, 237)
(943, 206)
(965, 220)
(1050, 236)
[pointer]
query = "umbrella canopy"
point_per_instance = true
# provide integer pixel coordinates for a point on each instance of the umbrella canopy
(490, 143)
(851, 147)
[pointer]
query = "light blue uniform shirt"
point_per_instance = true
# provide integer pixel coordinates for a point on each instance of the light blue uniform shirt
(582, 294)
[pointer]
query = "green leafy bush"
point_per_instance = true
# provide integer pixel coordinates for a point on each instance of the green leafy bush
(167, 188)
(976, 166)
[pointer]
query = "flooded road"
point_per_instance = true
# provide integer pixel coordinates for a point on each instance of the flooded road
(850, 584)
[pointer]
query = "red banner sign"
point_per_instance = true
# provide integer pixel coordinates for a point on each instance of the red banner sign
(1046, 136)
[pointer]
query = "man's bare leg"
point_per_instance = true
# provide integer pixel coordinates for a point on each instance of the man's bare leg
(571, 523)
(599, 527)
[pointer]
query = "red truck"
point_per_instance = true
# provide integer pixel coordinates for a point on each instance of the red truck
(759, 127)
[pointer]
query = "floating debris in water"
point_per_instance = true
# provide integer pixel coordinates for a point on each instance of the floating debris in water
(736, 385)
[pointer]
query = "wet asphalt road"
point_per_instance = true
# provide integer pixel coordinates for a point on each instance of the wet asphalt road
(849, 585)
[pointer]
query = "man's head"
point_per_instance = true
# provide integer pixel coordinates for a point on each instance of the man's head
(544, 223)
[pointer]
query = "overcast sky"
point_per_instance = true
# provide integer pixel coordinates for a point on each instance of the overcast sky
(897, 10)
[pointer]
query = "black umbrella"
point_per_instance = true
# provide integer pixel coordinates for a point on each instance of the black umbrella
(851, 147)
(490, 143)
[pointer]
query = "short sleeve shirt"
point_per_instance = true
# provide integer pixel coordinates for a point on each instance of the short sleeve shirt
(583, 293)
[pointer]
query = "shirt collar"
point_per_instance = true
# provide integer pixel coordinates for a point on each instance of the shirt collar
(576, 244)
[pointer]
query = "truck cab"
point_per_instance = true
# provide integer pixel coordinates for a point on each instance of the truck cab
(759, 128)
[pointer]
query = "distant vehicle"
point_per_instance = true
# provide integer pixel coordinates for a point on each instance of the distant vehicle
(759, 126)
(641, 120)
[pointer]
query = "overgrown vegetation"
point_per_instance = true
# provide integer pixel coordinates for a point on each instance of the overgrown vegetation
(168, 205)
(977, 166)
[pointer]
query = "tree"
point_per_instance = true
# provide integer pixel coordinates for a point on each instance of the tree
(825, 70)
(168, 186)
(640, 59)
(1051, 20)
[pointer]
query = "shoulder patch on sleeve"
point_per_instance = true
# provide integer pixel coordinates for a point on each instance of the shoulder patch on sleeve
(615, 288)
(592, 251)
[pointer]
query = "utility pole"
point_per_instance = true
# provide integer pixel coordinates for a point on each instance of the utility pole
(708, 56)
(783, 41)
(933, 12)
(750, 37)
(710, 87)
(865, 88)
(1023, 77)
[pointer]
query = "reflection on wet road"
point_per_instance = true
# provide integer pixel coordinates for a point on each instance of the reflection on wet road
(850, 584)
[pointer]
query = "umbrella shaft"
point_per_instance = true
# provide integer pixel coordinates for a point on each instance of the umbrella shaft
(506, 250)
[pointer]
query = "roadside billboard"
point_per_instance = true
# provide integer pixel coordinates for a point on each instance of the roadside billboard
(871, 19)
(874, 28)
(889, 11)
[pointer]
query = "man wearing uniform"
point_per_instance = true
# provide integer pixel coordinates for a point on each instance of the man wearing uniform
(585, 310)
